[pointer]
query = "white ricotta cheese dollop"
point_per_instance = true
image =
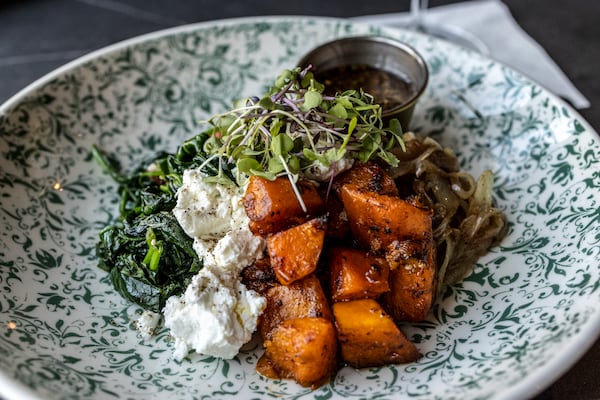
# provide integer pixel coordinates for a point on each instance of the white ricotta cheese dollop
(217, 314)
(207, 209)
(147, 323)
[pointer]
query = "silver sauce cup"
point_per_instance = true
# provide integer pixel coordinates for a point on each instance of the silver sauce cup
(386, 54)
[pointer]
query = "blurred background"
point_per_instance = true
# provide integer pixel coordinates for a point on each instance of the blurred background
(37, 36)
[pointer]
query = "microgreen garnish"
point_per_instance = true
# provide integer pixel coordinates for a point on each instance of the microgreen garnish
(296, 128)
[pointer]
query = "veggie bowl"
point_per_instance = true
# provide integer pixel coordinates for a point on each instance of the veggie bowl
(525, 314)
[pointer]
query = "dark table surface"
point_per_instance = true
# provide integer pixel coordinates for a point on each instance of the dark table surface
(37, 36)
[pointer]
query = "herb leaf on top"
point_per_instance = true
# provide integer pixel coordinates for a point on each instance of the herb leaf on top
(295, 129)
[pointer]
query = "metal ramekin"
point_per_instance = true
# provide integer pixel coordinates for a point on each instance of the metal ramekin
(378, 52)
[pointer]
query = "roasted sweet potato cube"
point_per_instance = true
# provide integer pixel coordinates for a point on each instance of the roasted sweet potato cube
(273, 205)
(377, 221)
(368, 337)
(303, 349)
(295, 252)
(267, 368)
(413, 284)
(356, 274)
(368, 176)
(301, 299)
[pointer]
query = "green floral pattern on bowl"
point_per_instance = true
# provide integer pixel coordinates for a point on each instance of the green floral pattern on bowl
(526, 313)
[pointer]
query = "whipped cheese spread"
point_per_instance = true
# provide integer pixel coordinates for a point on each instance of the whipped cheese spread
(208, 210)
(217, 314)
(147, 323)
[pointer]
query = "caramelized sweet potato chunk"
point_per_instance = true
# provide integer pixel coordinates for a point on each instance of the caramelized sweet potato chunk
(303, 349)
(355, 274)
(369, 337)
(413, 283)
(367, 176)
(273, 206)
(295, 252)
(377, 221)
(303, 298)
(391, 278)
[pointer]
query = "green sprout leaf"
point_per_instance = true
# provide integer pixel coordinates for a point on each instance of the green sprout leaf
(339, 111)
(281, 145)
(283, 78)
(352, 125)
(312, 100)
(275, 166)
(248, 164)
(294, 127)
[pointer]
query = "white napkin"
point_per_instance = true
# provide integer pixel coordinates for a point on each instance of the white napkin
(491, 22)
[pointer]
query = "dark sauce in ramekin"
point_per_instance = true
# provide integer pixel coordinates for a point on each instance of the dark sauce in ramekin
(388, 89)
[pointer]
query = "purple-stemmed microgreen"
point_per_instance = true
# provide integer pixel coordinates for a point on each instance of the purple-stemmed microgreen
(295, 129)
